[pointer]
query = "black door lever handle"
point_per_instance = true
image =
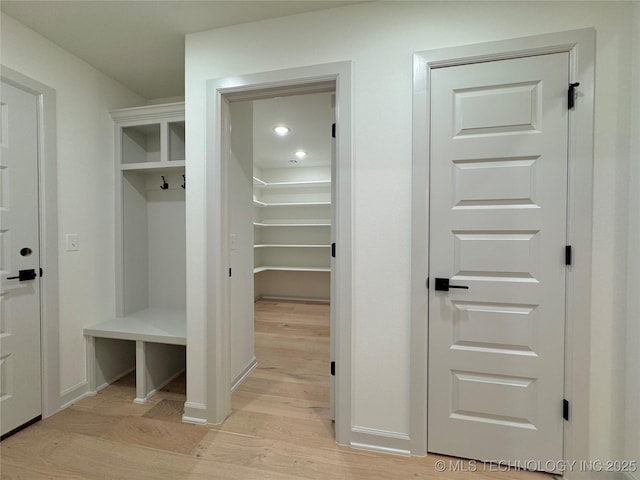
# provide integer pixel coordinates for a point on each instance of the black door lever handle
(442, 285)
(24, 275)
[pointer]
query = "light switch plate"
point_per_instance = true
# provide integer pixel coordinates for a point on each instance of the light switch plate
(72, 242)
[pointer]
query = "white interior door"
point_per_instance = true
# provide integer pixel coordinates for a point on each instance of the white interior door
(498, 226)
(20, 367)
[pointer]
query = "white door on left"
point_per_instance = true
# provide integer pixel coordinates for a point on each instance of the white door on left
(20, 355)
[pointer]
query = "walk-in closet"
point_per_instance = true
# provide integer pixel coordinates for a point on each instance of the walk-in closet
(280, 213)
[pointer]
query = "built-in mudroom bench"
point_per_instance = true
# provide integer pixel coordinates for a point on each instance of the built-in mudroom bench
(156, 333)
(148, 331)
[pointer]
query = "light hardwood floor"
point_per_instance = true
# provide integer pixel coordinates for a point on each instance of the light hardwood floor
(279, 428)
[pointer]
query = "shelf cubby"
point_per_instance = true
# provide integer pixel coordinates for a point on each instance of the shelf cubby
(176, 138)
(141, 143)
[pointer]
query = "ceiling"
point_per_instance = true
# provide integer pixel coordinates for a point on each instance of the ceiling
(140, 43)
(309, 118)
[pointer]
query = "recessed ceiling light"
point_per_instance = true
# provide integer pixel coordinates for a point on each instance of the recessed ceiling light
(281, 130)
(301, 154)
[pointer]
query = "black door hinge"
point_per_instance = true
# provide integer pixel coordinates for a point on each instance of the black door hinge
(333, 250)
(567, 255)
(229, 271)
(333, 131)
(333, 369)
(571, 100)
(565, 409)
(41, 272)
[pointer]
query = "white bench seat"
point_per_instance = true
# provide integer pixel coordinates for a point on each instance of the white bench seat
(157, 325)
(154, 366)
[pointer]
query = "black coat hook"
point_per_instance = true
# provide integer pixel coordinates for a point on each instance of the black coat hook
(572, 95)
(164, 185)
(184, 181)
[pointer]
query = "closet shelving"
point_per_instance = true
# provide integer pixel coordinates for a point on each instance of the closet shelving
(292, 225)
(309, 183)
(258, 203)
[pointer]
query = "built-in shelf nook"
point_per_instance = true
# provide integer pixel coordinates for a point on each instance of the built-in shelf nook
(148, 331)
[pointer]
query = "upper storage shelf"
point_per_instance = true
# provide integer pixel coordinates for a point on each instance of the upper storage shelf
(151, 137)
(258, 203)
(176, 141)
(141, 143)
(259, 183)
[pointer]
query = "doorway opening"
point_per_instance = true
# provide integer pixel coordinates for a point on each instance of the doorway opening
(219, 196)
(280, 221)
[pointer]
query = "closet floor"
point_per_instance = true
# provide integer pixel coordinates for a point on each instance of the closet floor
(279, 428)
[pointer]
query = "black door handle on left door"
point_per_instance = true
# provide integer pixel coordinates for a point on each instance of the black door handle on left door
(442, 285)
(24, 275)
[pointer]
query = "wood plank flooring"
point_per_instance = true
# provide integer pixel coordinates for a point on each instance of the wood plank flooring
(279, 428)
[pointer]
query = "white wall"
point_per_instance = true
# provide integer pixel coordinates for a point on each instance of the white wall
(380, 39)
(241, 225)
(632, 416)
(85, 145)
(610, 236)
(166, 243)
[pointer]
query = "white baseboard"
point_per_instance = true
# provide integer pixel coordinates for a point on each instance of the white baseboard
(195, 413)
(142, 401)
(244, 374)
(115, 378)
(74, 394)
(381, 441)
(292, 299)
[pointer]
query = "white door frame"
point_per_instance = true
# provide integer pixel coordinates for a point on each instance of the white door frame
(580, 44)
(48, 221)
(218, 346)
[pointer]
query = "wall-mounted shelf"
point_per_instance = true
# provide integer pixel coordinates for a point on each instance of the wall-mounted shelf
(290, 269)
(310, 183)
(319, 224)
(258, 203)
(172, 165)
(150, 137)
(290, 246)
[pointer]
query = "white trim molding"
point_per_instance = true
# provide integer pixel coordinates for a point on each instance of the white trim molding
(152, 392)
(195, 413)
(246, 371)
(75, 394)
(48, 219)
(263, 85)
(580, 45)
(382, 441)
